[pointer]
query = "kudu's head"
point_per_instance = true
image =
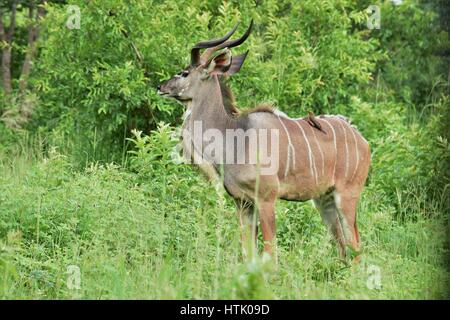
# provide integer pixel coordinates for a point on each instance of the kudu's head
(216, 60)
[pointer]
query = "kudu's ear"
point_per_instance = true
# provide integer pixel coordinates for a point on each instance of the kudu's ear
(236, 64)
(220, 63)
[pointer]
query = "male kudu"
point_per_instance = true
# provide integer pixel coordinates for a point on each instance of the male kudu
(324, 158)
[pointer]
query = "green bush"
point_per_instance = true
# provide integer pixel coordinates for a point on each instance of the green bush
(300, 59)
(415, 45)
(92, 181)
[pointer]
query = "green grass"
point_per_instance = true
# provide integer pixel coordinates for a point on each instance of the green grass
(167, 234)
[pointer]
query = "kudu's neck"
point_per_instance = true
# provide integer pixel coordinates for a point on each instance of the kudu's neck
(215, 106)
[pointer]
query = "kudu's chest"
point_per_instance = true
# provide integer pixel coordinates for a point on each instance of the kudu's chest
(192, 145)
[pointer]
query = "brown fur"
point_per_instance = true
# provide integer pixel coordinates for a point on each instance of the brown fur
(230, 102)
(265, 107)
(324, 159)
(340, 215)
(228, 98)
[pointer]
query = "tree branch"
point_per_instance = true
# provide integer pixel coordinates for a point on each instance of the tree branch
(135, 49)
(12, 24)
(2, 28)
(26, 109)
(26, 66)
(7, 50)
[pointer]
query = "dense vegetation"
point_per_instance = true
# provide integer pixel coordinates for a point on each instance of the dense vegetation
(79, 187)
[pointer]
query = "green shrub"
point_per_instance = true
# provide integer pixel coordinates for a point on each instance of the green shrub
(88, 84)
(93, 181)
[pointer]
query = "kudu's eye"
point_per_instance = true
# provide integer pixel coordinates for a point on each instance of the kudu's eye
(184, 74)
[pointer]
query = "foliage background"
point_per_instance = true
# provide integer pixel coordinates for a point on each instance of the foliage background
(139, 226)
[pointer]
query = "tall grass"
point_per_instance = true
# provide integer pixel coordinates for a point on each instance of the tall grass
(156, 230)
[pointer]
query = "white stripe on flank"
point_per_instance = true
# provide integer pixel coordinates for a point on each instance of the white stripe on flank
(335, 147)
(357, 153)
(320, 150)
(346, 147)
(312, 163)
(290, 156)
(280, 113)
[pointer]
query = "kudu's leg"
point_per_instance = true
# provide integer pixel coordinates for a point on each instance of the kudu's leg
(347, 206)
(267, 221)
(330, 215)
(249, 227)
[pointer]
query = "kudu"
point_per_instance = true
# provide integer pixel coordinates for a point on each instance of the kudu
(320, 158)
